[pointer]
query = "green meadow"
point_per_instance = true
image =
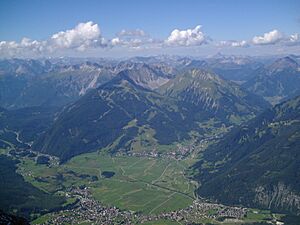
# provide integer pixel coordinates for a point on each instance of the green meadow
(142, 184)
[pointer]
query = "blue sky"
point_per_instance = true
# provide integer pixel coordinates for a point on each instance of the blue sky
(220, 20)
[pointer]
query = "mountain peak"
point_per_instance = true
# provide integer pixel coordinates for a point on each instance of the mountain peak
(144, 75)
(285, 63)
(120, 79)
(209, 92)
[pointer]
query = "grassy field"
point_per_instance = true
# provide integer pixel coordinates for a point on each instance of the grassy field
(141, 184)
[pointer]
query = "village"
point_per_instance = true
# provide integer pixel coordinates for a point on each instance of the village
(91, 211)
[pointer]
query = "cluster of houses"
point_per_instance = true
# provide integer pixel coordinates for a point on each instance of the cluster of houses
(89, 210)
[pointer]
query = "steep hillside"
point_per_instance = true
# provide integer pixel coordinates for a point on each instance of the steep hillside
(20, 197)
(257, 164)
(6, 218)
(24, 125)
(112, 116)
(216, 97)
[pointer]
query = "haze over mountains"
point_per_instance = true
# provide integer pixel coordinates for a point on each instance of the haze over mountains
(37, 82)
(245, 110)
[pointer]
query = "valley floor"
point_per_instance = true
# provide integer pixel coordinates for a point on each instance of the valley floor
(137, 190)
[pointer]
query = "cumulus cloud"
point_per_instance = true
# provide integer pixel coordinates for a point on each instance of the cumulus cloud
(83, 36)
(294, 39)
(277, 37)
(116, 41)
(189, 37)
(133, 39)
(24, 47)
(232, 43)
(88, 35)
(133, 33)
(134, 42)
(271, 37)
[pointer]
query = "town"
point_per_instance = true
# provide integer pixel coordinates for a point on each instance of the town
(89, 210)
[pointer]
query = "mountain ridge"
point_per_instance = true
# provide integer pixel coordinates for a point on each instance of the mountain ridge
(89, 124)
(257, 162)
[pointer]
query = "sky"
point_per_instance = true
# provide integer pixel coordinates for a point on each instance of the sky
(41, 28)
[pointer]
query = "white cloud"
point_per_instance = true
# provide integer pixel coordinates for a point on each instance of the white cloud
(271, 37)
(294, 39)
(87, 36)
(232, 43)
(116, 41)
(83, 36)
(277, 37)
(25, 47)
(133, 42)
(134, 33)
(134, 39)
(189, 37)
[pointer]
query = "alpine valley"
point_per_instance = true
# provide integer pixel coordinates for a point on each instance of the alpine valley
(150, 140)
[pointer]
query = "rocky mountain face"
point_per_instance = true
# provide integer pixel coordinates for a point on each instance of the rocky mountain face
(257, 164)
(118, 112)
(26, 83)
(210, 93)
(144, 75)
(34, 83)
(277, 81)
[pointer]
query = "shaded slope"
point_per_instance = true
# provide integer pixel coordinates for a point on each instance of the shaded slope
(258, 164)
(22, 197)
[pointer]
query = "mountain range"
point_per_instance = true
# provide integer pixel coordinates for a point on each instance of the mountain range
(56, 82)
(166, 115)
(66, 107)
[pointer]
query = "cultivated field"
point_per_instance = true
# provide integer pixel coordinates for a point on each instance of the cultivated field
(147, 185)
(141, 184)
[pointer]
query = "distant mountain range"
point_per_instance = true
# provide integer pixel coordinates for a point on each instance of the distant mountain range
(56, 82)
(45, 84)
(257, 164)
